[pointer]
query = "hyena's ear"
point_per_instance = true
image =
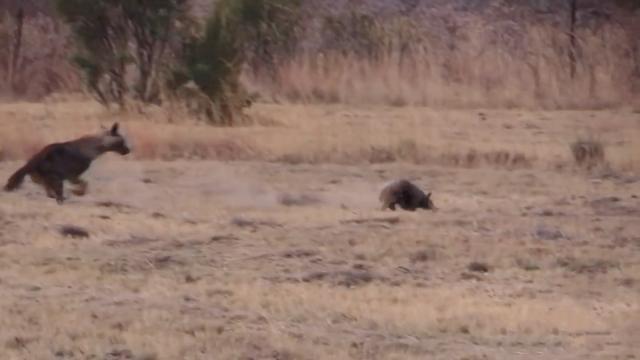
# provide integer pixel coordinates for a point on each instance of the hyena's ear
(428, 195)
(114, 129)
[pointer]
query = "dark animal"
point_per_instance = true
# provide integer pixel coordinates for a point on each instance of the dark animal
(58, 162)
(406, 195)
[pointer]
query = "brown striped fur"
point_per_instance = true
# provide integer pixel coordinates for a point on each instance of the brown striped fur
(58, 162)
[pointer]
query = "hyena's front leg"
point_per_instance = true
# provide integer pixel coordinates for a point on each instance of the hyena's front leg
(80, 188)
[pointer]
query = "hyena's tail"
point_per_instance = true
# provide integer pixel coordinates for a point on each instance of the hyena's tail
(17, 178)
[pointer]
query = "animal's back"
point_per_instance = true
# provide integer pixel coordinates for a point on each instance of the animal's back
(403, 193)
(58, 160)
(64, 161)
(393, 189)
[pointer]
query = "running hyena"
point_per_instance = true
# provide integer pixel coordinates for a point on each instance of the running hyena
(406, 195)
(58, 162)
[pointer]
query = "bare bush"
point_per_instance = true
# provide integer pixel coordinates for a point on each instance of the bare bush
(34, 55)
(214, 60)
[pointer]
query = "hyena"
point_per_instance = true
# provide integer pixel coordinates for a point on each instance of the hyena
(58, 162)
(405, 194)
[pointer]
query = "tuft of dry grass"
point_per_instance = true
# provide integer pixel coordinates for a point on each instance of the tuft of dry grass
(588, 153)
(587, 266)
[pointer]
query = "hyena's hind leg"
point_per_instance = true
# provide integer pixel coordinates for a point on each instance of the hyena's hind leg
(37, 179)
(55, 187)
(80, 188)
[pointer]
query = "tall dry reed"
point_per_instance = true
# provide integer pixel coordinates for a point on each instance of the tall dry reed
(477, 67)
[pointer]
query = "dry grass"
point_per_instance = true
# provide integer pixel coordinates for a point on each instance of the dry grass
(488, 67)
(292, 260)
(338, 134)
(187, 259)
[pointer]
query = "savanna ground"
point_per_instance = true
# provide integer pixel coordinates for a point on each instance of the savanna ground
(267, 241)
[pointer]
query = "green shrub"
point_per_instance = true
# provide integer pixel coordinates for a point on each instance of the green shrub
(116, 37)
(214, 61)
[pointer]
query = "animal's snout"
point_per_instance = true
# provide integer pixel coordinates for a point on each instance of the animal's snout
(124, 150)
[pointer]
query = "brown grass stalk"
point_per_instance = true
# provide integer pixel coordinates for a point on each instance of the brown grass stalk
(481, 71)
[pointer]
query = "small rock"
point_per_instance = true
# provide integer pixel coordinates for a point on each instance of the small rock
(190, 279)
(547, 212)
(341, 278)
(605, 201)
(359, 266)
(73, 231)
(120, 354)
(422, 256)
(243, 222)
(627, 282)
(354, 278)
(547, 233)
(478, 267)
(17, 342)
(299, 253)
(217, 238)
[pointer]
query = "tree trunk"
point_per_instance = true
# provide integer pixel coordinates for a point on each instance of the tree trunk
(16, 48)
(573, 41)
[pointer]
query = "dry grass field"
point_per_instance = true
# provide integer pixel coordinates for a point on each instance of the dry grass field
(267, 242)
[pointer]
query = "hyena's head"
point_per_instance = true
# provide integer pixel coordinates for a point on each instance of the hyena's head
(112, 140)
(426, 203)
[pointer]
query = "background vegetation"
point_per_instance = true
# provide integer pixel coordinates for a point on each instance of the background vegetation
(454, 54)
(266, 241)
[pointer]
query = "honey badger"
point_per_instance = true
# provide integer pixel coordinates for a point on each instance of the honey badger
(406, 195)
